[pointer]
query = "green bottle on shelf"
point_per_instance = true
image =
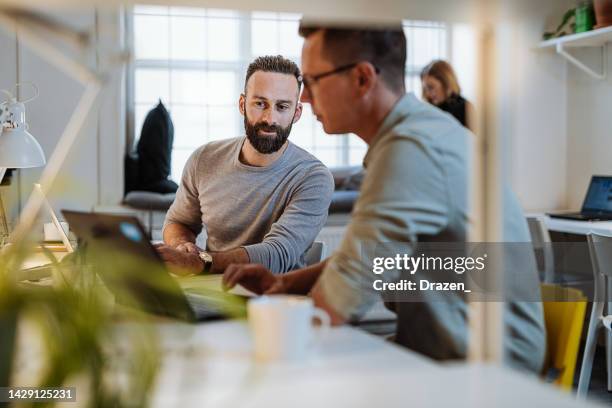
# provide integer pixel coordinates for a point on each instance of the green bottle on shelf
(585, 17)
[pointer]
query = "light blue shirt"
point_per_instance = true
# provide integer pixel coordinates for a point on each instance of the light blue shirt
(415, 187)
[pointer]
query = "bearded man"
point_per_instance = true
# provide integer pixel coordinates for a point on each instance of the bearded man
(261, 198)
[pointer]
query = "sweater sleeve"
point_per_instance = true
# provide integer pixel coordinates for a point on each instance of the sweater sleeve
(292, 234)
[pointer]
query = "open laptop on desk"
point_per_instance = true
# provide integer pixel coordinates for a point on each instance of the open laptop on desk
(597, 205)
(118, 248)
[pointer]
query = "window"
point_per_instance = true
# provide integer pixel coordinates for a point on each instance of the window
(194, 61)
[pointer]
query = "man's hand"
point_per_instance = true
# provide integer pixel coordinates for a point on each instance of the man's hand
(319, 300)
(253, 277)
(180, 262)
(188, 247)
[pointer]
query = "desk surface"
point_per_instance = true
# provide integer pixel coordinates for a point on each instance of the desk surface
(577, 227)
(211, 365)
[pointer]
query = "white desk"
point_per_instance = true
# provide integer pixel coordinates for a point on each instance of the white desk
(577, 227)
(211, 365)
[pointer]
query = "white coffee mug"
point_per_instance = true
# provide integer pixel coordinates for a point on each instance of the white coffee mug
(282, 326)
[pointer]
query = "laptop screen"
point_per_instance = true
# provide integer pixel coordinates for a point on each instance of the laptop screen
(599, 196)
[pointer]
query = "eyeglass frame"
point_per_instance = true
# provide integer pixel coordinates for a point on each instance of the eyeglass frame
(309, 80)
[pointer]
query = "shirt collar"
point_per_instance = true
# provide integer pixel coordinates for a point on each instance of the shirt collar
(402, 108)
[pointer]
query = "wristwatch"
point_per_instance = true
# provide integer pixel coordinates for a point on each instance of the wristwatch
(207, 260)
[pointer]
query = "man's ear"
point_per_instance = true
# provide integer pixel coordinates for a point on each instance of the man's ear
(366, 76)
(242, 103)
(298, 112)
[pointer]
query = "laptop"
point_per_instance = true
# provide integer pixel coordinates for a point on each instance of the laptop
(597, 205)
(121, 254)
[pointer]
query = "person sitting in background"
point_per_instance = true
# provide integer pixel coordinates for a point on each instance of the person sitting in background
(261, 198)
(441, 88)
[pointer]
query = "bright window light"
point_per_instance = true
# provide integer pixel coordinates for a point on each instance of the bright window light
(194, 61)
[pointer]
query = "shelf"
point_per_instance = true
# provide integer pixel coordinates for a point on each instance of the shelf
(593, 39)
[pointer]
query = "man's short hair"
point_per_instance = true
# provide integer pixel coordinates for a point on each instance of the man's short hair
(383, 47)
(274, 63)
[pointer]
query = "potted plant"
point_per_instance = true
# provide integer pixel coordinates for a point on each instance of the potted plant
(75, 338)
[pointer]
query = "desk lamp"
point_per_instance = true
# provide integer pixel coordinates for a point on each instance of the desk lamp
(18, 148)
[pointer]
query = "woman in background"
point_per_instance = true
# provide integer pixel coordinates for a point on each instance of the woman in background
(441, 88)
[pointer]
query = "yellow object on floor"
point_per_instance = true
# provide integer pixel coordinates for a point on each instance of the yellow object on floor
(564, 311)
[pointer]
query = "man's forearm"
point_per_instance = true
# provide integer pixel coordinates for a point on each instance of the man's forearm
(301, 281)
(176, 234)
(222, 260)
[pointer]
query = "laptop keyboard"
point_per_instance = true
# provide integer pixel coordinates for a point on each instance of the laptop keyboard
(203, 308)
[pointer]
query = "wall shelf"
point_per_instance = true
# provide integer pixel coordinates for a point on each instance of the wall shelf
(595, 38)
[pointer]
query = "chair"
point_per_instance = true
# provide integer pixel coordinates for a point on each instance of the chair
(600, 248)
(564, 311)
(149, 202)
(316, 253)
(540, 238)
(551, 271)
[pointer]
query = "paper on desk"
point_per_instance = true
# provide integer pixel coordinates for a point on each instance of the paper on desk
(38, 259)
(211, 282)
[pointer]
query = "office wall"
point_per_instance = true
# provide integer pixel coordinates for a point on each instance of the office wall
(533, 97)
(538, 148)
(589, 125)
(48, 115)
(93, 172)
(112, 113)
(562, 128)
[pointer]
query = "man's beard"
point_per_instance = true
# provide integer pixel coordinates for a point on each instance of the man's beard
(266, 144)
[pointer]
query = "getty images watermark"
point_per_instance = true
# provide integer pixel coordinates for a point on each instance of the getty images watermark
(407, 264)
(433, 271)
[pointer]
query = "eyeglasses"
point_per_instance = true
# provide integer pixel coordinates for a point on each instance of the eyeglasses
(310, 80)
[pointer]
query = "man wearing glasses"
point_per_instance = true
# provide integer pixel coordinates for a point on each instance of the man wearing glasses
(415, 190)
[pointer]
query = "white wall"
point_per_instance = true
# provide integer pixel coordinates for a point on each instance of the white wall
(526, 102)
(539, 146)
(48, 115)
(589, 125)
(561, 118)
(93, 172)
(112, 115)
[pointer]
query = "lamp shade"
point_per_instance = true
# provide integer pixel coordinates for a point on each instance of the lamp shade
(19, 149)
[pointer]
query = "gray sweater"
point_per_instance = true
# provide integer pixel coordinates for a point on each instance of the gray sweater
(274, 212)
